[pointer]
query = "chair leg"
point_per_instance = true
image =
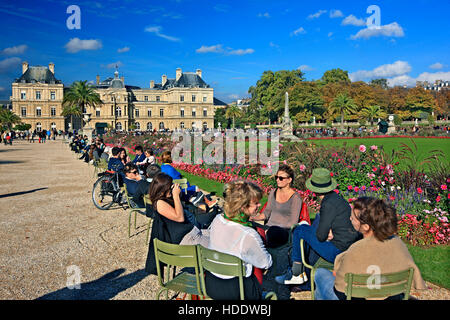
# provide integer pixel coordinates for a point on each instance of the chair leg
(312, 283)
(129, 224)
(135, 217)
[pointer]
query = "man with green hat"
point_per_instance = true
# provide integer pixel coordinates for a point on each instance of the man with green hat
(330, 234)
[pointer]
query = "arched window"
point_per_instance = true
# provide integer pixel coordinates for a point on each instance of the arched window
(38, 126)
(161, 125)
(118, 126)
(138, 125)
(182, 125)
(149, 126)
(53, 125)
(205, 125)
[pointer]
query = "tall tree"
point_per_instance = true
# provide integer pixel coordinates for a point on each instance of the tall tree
(79, 97)
(372, 112)
(233, 112)
(8, 118)
(420, 100)
(343, 105)
(335, 76)
(306, 97)
(382, 82)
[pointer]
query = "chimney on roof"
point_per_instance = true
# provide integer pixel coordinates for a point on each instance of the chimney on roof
(98, 80)
(179, 73)
(199, 72)
(51, 67)
(152, 83)
(24, 67)
(164, 80)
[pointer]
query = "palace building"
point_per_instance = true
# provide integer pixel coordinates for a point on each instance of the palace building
(183, 102)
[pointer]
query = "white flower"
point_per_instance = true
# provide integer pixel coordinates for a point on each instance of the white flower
(399, 188)
(392, 188)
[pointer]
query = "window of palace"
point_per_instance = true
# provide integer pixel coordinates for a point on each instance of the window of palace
(53, 111)
(118, 126)
(149, 126)
(182, 112)
(161, 112)
(97, 112)
(193, 98)
(38, 126)
(205, 125)
(145, 98)
(182, 97)
(149, 112)
(194, 112)
(161, 125)
(158, 98)
(204, 98)
(119, 111)
(38, 111)
(138, 125)
(52, 95)
(23, 111)
(205, 112)
(23, 95)
(53, 125)
(136, 113)
(182, 125)
(38, 95)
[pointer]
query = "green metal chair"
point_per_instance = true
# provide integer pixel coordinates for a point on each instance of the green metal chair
(182, 182)
(100, 166)
(390, 284)
(136, 210)
(321, 263)
(225, 264)
(173, 256)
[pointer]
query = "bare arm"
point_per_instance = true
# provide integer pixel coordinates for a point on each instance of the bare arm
(165, 209)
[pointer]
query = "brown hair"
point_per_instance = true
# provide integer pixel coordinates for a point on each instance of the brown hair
(378, 215)
(286, 168)
(238, 195)
(161, 184)
(166, 157)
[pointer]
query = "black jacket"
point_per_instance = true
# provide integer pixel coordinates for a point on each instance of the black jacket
(335, 214)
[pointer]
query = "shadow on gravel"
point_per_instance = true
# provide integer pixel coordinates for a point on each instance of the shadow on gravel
(104, 288)
(10, 161)
(20, 193)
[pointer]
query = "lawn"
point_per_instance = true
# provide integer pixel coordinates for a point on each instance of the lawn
(424, 145)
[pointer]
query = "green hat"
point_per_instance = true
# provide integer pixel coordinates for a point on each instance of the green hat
(321, 181)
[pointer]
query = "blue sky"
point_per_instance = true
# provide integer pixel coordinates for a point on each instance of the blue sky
(232, 42)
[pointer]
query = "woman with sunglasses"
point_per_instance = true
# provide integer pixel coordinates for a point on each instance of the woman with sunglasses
(282, 210)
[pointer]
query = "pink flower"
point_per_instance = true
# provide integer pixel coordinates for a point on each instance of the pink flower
(373, 148)
(349, 187)
(362, 148)
(392, 198)
(438, 198)
(363, 188)
(419, 190)
(443, 187)
(302, 167)
(356, 189)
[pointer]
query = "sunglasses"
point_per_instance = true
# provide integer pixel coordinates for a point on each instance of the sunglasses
(281, 178)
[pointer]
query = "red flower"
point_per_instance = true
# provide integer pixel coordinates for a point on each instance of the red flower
(419, 190)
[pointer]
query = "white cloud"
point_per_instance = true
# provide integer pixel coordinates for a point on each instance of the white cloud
(390, 30)
(330, 34)
(398, 68)
(241, 52)
(305, 67)
(403, 80)
(2, 89)
(317, 14)
(113, 65)
(411, 82)
(76, 44)
(353, 21)
(431, 77)
(437, 66)
(336, 14)
(15, 50)
(300, 30)
(124, 49)
(206, 49)
(273, 45)
(9, 63)
(218, 48)
(157, 31)
(264, 15)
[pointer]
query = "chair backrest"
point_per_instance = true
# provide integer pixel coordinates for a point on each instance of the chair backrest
(182, 182)
(220, 263)
(379, 286)
(174, 255)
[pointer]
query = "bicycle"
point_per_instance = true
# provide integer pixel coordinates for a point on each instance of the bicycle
(107, 191)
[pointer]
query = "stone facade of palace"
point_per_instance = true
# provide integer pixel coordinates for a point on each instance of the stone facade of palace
(184, 102)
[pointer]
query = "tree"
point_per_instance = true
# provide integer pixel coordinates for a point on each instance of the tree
(343, 105)
(335, 76)
(22, 127)
(362, 94)
(80, 96)
(382, 82)
(8, 118)
(270, 88)
(397, 99)
(372, 112)
(306, 98)
(420, 100)
(232, 112)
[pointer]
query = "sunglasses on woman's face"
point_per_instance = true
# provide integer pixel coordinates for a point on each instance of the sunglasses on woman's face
(281, 178)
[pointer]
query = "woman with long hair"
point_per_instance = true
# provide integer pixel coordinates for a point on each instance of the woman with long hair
(232, 233)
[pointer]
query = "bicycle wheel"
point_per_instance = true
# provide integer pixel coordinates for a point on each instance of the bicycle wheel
(103, 193)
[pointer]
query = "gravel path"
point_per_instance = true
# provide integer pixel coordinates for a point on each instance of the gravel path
(50, 228)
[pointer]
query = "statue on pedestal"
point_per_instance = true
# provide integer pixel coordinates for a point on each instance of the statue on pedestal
(286, 125)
